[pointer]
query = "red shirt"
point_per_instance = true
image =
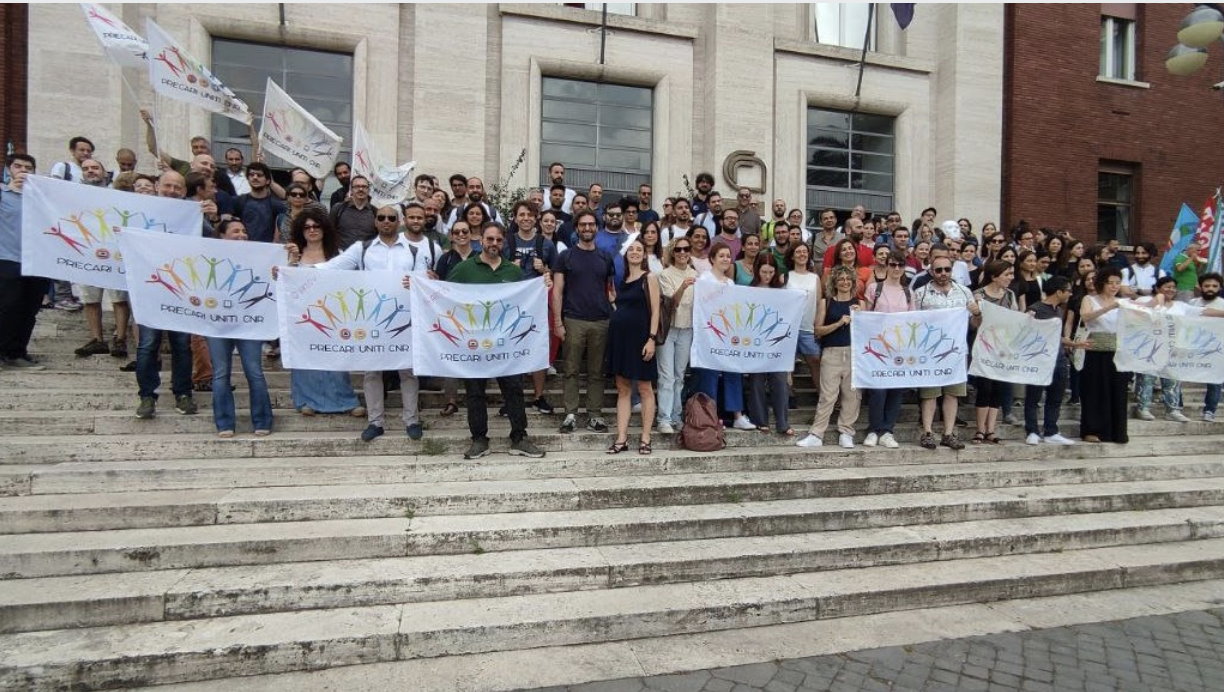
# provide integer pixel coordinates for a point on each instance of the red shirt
(866, 256)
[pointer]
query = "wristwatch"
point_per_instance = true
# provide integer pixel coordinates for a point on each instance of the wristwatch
(653, 338)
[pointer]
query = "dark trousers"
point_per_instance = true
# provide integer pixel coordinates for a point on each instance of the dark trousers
(883, 410)
(1053, 401)
(478, 411)
(20, 299)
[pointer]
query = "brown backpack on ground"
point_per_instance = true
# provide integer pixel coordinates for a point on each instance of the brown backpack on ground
(702, 431)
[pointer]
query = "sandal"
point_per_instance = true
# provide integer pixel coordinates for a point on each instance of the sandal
(993, 439)
(644, 447)
(618, 447)
(202, 386)
(978, 438)
(450, 409)
(225, 434)
(789, 432)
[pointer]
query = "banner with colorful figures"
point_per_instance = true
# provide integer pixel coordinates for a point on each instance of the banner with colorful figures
(900, 350)
(220, 288)
(126, 47)
(387, 185)
(1175, 343)
(1015, 347)
(292, 133)
(742, 329)
(176, 74)
(343, 320)
(479, 330)
(70, 231)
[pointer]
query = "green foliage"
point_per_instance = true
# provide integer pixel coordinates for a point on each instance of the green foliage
(501, 196)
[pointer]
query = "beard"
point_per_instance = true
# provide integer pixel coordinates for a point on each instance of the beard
(1210, 296)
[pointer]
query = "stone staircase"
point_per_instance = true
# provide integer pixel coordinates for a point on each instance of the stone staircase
(139, 553)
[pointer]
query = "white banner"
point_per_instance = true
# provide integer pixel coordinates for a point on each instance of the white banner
(126, 47)
(387, 185)
(745, 330)
(1175, 343)
(479, 330)
(173, 72)
(292, 133)
(900, 350)
(1015, 347)
(220, 288)
(343, 320)
(70, 231)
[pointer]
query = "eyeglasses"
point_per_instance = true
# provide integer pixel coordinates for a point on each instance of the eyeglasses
(682, 248)
(460, 231)
(297, 194)
(387, 217)
(941, 270)
(494, 241)
(309, 226)
(895, 265)
(610, 215)
(997, 241)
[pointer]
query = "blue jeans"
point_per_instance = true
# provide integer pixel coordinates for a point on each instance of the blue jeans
(883, 409)
(250, 352)
(1212, 399)
(732, 385)
(1170, 392)
(673, 356)
(1053, 393)
(148, 375)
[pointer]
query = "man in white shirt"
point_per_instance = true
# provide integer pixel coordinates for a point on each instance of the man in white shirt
(235, 168)
(556, 176)
(1139, 279)
(1209, 299)
(942, 292)
(389, 251)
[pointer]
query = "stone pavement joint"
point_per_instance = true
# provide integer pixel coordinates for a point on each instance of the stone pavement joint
(1182, 651)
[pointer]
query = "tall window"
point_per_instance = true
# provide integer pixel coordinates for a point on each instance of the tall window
(1118, 48)
(842, 24)
(1115, 203)
(601, 132)
(849, 161)
(321, 82)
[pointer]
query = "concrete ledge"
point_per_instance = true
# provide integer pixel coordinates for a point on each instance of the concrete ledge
(573, 15)
(852, 56)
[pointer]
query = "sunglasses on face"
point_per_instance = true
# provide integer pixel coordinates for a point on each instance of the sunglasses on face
(311, 227)
(297, 194)
(895, 265)
(941, 270)
(683, 248)
(385, 217)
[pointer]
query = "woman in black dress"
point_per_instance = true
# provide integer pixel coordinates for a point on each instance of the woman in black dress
(631, 345)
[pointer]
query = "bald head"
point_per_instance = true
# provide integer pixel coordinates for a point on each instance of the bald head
(204, 163)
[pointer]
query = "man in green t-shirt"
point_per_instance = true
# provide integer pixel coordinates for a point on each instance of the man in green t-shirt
(1185, 271)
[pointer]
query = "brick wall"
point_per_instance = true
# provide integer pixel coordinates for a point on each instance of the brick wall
(1060, 122)
(14, 59)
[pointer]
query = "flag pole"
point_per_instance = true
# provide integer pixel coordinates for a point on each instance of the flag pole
(858, 89)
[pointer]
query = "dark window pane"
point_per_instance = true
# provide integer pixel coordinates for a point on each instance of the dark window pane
(879, 124)
(594, 128)
(624, 95)
(834, 158)
(833, 120)
(873, 164)
(568, 154)
(569, 110)
(625, 117)
(872, 181)
(566, 132)
(829, 138)
(632, 160)
(619, 137)
(570, 89)
(827, 177)
(319, 63)
(872, 143)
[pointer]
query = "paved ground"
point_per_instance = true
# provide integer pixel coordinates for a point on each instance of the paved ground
(1183, 652)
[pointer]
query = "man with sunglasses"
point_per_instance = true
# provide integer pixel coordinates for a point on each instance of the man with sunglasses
(940, 293)
(354, 218)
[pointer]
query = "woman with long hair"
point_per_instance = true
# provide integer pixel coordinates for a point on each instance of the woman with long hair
(711, 381)
(920, 259)
(833, 328)
(992, 245)
(297, 197)
(750, 249)
(1068, 259)
(877, 272)
(884, 405)
(221, 351)
(700, 240)
(549, 223)
(1026, 281)
(476, 216)
(461, 248)
(654, 250)
(676, 282)
(801, 276)
(631, 345)
(1101, 383)
(668, 217)
(319, 391)
(997, 278)
(766, 273)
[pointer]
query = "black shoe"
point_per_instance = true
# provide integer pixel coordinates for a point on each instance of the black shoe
(371, 432)
(479, 448)
(541, 404)
(960, 423)
(130, 367)
(502, 412)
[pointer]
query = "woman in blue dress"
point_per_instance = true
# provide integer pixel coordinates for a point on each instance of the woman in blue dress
(319, 391)
(631, 345)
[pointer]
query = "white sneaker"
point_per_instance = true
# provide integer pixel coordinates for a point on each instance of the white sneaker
(887, 440)
(871, 440)
(1144, 414)
(846, 440)
(1032, 439)
(637, 408)
(1177, 416)
(742, 423)
(1208, 416)
(1058, 439)
(666, 428)
(552, 371)
(810, 440)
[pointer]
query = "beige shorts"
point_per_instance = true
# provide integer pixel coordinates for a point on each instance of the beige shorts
(957, 390)
(92, 294)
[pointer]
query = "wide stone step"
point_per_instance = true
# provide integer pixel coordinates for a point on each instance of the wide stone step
(112, 599)
(66, 553)
(157, 509)
(250, 471)
(170, 652)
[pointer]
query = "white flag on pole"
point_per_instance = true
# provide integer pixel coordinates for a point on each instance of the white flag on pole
(742, 329)
(292, 133)
(1015, 347)
(126, 47)
(1175, 343)
(387, 185)
(343, 320)
(70, 231)
(900, 350)
(479, 330)
(220, 288)
(173, 72)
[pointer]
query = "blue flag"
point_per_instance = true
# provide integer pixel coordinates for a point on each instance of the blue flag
(1184, 230)
(904, 12)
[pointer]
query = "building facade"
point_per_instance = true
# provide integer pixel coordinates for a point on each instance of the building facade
(1100, 139)
(758, 94)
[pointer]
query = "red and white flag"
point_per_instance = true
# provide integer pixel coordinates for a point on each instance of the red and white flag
(292, 133)
(387, 185)
(175, 73)
(123, 45)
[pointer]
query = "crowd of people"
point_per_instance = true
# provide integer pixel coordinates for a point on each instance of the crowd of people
(617, 271)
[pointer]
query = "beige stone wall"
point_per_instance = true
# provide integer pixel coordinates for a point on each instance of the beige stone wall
(457, 87)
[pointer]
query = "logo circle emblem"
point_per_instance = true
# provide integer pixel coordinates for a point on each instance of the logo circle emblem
(359, 334)
(210, 303)
(195, 301)
(345, 334)
(473, 345)
(102, 253)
